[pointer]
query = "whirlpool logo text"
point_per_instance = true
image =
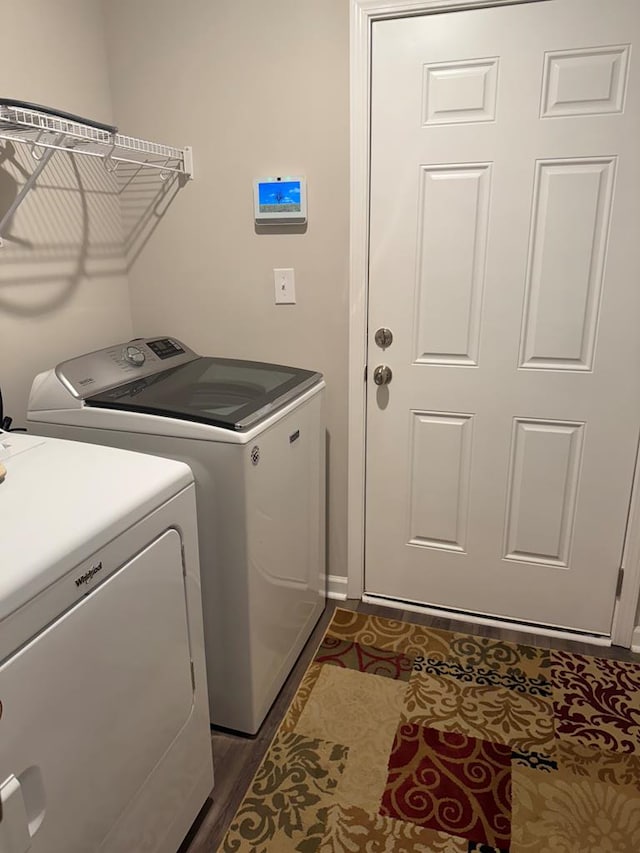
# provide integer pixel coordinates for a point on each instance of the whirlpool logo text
(87, 576)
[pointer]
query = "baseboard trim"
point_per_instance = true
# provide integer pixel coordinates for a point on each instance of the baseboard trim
(337, 587)
(635, 640)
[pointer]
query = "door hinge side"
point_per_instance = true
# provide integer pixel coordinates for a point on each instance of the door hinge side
(365, 372)
(620, 582)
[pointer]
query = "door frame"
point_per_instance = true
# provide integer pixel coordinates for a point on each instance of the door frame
(363, 13)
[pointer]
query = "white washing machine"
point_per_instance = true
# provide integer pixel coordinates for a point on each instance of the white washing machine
(253, 435)
(104, 730)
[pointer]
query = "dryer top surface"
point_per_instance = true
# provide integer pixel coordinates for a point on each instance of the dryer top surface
(62, 500)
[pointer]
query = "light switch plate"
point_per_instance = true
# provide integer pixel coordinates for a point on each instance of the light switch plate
(285, 286)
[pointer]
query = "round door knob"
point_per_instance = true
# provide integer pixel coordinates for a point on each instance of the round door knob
(382, 375)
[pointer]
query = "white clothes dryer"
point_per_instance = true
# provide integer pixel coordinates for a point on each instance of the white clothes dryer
(253, 434)
(104, 731)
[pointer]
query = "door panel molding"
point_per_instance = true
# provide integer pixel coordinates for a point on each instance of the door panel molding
(363, 13)
(440, 443)
(597, 94)
(462, 193)
(540, 530)
(566, 342)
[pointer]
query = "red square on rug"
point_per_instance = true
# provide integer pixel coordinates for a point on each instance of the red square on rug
(451, 783)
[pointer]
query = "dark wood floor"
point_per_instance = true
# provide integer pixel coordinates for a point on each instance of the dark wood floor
(236, 758)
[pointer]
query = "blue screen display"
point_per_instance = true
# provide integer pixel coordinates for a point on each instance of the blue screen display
(279, 196)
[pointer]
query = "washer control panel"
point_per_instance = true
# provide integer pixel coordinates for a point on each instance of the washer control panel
(107, 368)
(166, 348)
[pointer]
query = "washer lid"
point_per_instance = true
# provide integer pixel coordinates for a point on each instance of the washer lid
(229, 393)
(61, 501)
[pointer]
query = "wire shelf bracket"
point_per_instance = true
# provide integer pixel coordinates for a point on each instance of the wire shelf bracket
(46, 132)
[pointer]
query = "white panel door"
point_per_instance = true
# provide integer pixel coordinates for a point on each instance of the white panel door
(505, 259)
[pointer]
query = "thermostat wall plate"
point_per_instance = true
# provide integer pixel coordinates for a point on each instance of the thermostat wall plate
(280, 199)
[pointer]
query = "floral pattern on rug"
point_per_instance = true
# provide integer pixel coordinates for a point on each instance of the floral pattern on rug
(597, 701)
(451, 783)
(610, 767)
(516, 660)
(524, 722)
(405, 739)
(360, 712)
(514, 679)
(300, 699)
(351, 655)
(376, 631)
(295, 781)
(563, 813)
(357, 831)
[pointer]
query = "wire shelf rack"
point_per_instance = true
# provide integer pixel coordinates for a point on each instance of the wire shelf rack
(43, 130)
(46, 132)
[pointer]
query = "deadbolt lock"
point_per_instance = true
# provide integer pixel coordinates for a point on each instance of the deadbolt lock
(384, 337)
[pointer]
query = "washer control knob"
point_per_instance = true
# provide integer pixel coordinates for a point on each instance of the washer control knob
(134, 355)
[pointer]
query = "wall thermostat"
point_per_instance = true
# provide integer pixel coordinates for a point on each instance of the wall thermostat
(280, 199)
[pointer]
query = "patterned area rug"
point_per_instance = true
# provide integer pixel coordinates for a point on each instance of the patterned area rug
(404, 739)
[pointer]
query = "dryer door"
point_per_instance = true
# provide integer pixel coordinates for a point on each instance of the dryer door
(92, 703)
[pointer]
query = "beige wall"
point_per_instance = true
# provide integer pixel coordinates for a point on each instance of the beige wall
(63, 285)
(257, 88)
